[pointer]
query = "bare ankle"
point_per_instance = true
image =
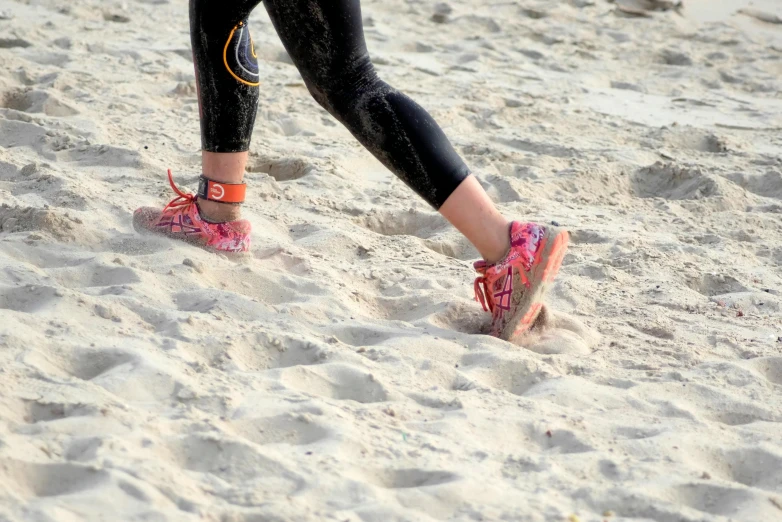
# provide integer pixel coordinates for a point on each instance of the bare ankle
(497, 254)
(218, 212)
(498, 247)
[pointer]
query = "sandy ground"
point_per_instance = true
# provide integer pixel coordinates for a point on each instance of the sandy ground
(338, 371)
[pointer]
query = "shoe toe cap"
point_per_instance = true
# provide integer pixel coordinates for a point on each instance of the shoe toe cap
(144, 218)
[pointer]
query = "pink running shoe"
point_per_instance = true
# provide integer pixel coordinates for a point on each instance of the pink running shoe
(513, 288)
(181, 219)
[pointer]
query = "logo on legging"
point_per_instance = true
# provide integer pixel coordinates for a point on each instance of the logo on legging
(239, 56)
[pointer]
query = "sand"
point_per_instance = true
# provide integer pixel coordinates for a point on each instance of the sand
(338, 371)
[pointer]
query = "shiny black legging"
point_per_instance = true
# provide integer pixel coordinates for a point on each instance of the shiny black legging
(325, 39)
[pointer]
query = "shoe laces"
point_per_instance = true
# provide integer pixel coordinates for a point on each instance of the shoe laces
(482, 294)
(182, 199)
(481, 287)
(483, 283)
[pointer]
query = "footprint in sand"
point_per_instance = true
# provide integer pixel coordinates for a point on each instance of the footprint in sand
(336, 381)
(283, 429)
(770, 368)
(23, 219)
(406, 223)
(33, 101)
(670, 181)
(688, 185)
(258, 351)
(562, 441)
(409, 478)
(718, 499)
(38, 411)
(233, 461)
(89, 364)
(505, 371)
(282, 169)
(28, 298)
(29, 479)
(13, 43)
(755, 467)
(768, 185)
(711, 285)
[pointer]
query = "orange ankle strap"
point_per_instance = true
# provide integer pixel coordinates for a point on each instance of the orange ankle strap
(221, 192)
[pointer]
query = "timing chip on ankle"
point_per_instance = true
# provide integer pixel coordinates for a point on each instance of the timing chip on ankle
(221, 192)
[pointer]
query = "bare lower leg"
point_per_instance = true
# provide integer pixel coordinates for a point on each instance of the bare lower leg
(470, 210)
(227, 167)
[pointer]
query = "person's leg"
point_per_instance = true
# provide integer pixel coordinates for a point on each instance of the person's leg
(227, 167)
(326, 42)
(227, 81)
(482, 224)
(325, 39)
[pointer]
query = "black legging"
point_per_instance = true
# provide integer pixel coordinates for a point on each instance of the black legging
(325, 39)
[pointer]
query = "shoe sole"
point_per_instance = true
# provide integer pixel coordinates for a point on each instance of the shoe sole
(551, 255)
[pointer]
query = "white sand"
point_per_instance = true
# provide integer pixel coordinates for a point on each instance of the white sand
(335, 373)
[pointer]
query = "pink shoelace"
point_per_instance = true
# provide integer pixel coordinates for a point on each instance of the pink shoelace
(482, 284)
(182, 199)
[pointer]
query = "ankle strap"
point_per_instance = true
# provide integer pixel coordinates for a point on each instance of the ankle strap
(212, 190)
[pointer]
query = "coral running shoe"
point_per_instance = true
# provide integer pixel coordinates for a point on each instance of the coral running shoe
(513, 288)
(181, 219)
